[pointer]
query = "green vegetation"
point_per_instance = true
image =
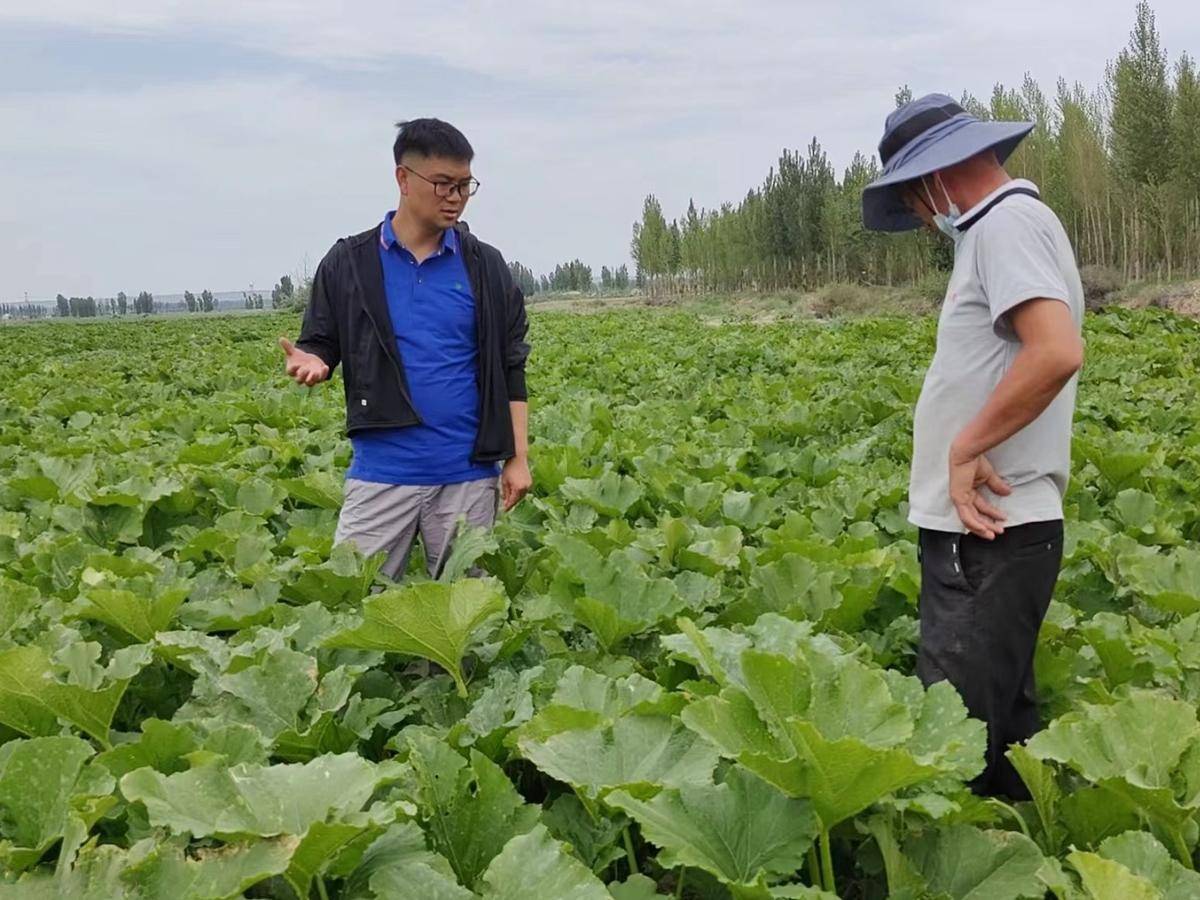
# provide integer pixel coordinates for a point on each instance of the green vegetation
(1120, 165)
(687, 670)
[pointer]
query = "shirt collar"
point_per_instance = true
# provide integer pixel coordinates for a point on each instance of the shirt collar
(388, 239)
(975, 210)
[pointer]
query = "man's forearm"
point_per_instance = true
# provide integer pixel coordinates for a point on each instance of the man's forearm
(519, 410)
(1037, 375)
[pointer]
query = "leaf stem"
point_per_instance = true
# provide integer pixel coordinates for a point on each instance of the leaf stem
(633, 863)
(321, 888)
(1181, 847)
(1016, 815)
(814, 866)
(679, 883)
(828, 880)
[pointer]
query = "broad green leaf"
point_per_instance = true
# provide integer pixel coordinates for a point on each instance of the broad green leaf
(324, 844)
(220, 873)
(1140, 738)
(716, 652)
(738, 830)
(595, 839)
(342, 580)
(1143, 855)
(230, 608)
(38, 778)
(712, 550)
(617, 598)
(536, 865)
(269, 695)
(397, 866)
(32, 698)
(506, 703)
(161, 745)
(140, 617)
(610, 494)
(321, 489)
(747, 509)
(1136, 508)
(841, 777)
(609, 698)
(785, 585)
(830, 729)
(259, 497)
(1170, 581)
(94, 874)
(1045, 792)
(257, 801)
(1120, 461)
(470, 544)
(18, 602)
(470, 810)
(638, 753)
(150, 871)
(1092, 814)
(434, 621)
(1132, 749)
(1106, 879)
(967, 863)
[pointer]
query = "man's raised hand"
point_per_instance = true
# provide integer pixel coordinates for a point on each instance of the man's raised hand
(304, 368)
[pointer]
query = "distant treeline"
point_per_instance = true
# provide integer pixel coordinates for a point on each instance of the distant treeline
(571, 276)
(23, 311)
(286, 294)
(1119, 164)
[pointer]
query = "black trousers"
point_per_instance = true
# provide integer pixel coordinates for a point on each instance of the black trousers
(981, 606)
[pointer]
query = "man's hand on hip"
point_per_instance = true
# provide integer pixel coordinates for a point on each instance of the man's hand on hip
(303, 367)
(967, 475)
(515, 481)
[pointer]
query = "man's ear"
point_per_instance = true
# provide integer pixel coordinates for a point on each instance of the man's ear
(402, 180)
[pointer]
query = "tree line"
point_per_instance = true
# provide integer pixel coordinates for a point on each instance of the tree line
(1120, 165)
(285, 295)
(573, 276)
(23, 311)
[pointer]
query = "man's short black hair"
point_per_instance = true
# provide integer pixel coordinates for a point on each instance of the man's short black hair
(431, 137)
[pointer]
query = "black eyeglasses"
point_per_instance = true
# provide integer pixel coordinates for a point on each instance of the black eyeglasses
(446, 189)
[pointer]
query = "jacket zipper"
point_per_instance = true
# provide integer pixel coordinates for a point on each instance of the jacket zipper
(400, 381)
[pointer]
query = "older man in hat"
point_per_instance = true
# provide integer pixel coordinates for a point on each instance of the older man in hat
(992, 429)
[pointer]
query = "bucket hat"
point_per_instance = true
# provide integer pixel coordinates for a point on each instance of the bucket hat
(921, 137)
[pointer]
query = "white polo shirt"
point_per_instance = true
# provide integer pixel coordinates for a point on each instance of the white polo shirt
(1012, 251)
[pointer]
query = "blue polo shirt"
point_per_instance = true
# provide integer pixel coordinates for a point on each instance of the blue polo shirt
(432, 310)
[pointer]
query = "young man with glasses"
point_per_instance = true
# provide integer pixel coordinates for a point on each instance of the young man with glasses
(429, 329)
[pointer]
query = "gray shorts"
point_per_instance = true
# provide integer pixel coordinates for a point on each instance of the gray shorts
(389, 517)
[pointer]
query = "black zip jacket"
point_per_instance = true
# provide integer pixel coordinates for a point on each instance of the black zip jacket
(347, 322)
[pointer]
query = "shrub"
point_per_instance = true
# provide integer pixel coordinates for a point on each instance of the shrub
(843, 298)
(1099, 284)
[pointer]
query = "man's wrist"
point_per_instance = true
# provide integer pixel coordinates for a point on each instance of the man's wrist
(961, 452)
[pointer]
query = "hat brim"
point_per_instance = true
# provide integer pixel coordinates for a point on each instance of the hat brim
(883, 205)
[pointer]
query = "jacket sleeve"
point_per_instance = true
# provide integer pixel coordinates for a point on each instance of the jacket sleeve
(516, 350)
(319, 333)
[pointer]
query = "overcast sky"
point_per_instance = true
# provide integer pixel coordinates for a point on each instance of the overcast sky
(172, 145)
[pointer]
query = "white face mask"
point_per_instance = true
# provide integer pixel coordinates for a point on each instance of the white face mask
(944, 221)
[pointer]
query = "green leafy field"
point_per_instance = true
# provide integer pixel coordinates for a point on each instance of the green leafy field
(687, 672)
